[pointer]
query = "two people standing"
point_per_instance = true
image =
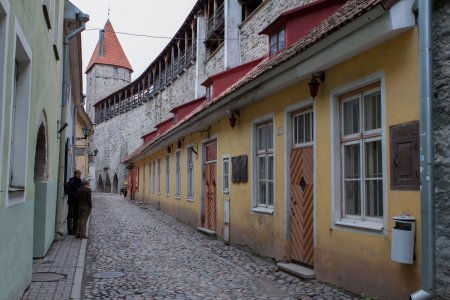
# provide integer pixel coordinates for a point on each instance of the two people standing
(80, 205)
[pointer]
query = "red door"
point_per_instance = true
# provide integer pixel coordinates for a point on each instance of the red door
(209, 180)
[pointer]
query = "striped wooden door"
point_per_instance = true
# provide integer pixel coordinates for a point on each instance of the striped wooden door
(302, 205)
(209, 179)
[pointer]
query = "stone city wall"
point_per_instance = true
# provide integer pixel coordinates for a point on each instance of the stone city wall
(118, 137)
(441, 74)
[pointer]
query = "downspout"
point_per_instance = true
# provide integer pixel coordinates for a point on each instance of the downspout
(82, 18)
(428, 290)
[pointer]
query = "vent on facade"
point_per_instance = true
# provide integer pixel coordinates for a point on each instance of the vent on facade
(101, 43)
(303, 183)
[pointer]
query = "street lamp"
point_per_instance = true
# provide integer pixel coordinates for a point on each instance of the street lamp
(86, 131)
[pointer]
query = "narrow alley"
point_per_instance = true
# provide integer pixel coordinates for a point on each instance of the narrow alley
(137, 252)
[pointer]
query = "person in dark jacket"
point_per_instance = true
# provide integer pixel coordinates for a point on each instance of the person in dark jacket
(84, 195)
(72, 214)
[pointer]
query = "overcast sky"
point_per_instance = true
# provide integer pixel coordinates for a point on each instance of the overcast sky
(149, 17)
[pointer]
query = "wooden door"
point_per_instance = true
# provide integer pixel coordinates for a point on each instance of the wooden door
(209, 178)
(209, 181)
(302, 205)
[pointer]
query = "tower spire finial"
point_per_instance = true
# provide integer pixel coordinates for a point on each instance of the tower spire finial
(109, 9)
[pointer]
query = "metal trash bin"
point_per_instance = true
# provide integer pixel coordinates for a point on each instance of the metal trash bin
(402, 244)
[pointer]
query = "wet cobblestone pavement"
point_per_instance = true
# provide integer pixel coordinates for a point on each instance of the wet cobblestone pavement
(153, 256)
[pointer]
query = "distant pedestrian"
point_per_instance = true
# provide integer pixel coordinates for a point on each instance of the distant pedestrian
(84, 194)
(72, 214)
(124, 189)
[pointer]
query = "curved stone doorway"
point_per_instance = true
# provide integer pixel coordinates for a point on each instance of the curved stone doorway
(115, 184)
(107, 184)
(100, 186)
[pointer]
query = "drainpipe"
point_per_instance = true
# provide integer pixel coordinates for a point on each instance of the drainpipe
(426, 153)
(82, 18)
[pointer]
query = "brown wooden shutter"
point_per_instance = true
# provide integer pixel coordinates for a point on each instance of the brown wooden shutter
(405, 156)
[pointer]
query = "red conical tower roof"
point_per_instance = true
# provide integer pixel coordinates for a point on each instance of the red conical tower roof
(113, 53)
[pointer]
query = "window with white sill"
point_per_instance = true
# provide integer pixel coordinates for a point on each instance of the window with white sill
(20, 102)
(159, 177)
(167, 174)
(361, 147)
(190, 173)
(226, 174)
(149, 177)
(153, 177)
(177, 175)
(265, 161)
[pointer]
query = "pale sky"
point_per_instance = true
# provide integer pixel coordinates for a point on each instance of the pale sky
(149, 17)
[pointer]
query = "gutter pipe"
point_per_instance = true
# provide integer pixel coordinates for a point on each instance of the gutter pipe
(82, 18)
(428, 290)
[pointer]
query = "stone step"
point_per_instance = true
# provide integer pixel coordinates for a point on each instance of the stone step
(297, 270)
(210, 233)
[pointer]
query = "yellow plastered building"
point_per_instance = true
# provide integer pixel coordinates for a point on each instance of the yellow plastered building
(313, 180)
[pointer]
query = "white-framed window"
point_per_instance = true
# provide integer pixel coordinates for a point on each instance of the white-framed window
(143, 177)
(190, 173)
(167, 174)
(20, 101)
(209, 92)
(277, 42)
(149, 180)
(4, 10)
(303, 128)
(360, 157)
(265, 164)
(159, 176)
(177, 174)
(153, 177)
(362, 171)
(226, 174)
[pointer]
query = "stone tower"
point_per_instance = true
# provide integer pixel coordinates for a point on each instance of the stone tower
(108, 70)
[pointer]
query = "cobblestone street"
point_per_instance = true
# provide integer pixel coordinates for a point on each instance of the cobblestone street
(137, 252)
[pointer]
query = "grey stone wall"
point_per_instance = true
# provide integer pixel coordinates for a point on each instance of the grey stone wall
(101, 81)
(254, 45)
(215, 63)
(441, 74)
(120, 136)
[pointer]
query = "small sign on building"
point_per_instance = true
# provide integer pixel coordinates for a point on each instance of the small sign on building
(81, 151)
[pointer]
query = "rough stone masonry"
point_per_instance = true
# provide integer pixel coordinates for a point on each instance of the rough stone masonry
(441, 74)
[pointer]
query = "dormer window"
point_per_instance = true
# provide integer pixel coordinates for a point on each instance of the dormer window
(209, 92)
(277, 42)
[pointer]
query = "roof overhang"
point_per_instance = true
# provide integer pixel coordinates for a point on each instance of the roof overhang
(363, 33)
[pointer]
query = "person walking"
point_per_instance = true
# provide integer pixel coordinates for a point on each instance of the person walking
(72, 214)
(84, 194)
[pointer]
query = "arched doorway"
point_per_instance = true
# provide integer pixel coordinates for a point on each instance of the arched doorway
(107, 184)
(40, 197)
(100, 186)
(40, 159)
(115, 184)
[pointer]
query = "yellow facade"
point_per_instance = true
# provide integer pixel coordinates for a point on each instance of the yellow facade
(82, 161)
(355, 258)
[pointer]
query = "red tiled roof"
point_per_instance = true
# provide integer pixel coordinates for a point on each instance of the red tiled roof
(113, 51)
(344, 15)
